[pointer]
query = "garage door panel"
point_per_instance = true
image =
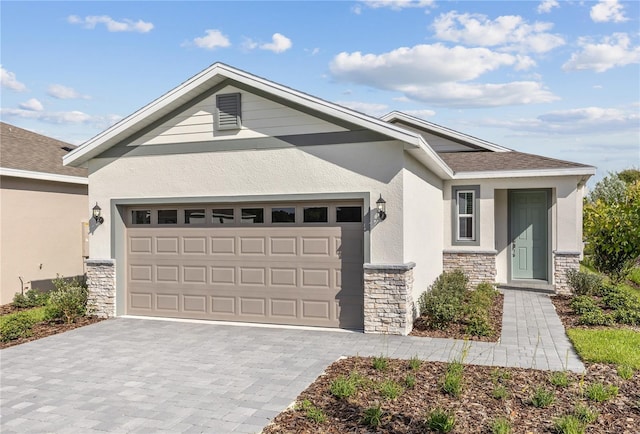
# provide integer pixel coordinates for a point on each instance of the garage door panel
(287, 274)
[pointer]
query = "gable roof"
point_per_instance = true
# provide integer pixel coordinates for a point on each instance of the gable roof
(217, 74)
(27, 154)
(485, 162)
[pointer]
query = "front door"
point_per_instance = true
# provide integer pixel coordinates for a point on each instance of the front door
(529, 234)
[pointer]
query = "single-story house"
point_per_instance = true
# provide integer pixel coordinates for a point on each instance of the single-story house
(232, 197)
(43, 212)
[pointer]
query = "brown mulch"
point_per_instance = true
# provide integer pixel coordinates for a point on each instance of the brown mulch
(457, 330)
(44, 329)
(474, 410)
(569, 319)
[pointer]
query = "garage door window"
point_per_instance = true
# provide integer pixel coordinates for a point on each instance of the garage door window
(317, 214)
(222, 216)
(194, 216)
(283, 215)
(141, 217)
(252, 215)
(348, 214)
(167, 216)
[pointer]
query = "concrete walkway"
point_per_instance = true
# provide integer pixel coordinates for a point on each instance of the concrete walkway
(131, 375)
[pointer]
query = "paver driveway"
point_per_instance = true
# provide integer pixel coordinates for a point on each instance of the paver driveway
(133, 375)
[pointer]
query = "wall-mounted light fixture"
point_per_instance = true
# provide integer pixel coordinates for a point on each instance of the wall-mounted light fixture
(382, 208)
(96, 214)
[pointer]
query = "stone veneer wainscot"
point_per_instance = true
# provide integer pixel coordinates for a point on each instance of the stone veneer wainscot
(388, 298)
(563, 262)
(478, 266)
(101, 281)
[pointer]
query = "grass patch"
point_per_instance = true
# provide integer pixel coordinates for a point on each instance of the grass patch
(312, 412)
(598, 392)
(616, 346)
(390, 389)
(373, 416)
(542, 398)
(441, 421)
(501, 426)
(559, 379)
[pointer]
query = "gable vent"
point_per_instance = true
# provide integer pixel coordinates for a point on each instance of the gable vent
(229, 115)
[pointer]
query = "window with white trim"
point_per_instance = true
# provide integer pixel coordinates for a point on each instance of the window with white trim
(465, 215)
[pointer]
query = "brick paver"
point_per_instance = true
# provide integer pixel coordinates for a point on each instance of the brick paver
(137, 376)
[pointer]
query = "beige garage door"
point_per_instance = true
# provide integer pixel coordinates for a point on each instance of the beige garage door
(286, 263)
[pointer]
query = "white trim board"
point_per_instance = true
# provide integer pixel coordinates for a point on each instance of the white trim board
(43, 176)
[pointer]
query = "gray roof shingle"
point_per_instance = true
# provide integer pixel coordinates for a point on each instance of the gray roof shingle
(503, 161)
(26, 150)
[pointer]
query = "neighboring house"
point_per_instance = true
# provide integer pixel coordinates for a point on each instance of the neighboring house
(235, 198)
(42, 209)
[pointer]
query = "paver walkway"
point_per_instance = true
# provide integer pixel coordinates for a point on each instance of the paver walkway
(132, 375)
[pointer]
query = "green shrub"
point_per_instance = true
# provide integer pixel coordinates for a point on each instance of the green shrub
(478, 325)
(501, 426)
(569, 424)
(442, 304)
(19, 324)
(380, 363)
(441, 421)
(585, 414)
(620, 299)
(625, 372)
(582, 304)
(482, 298)
(373, 416)
(31, 298)
(627, 316)
(451, 281)
(596, 318)
(312, 412)
(342, 387)
(390, 389)
(559, 379)
(584, 283)
(598, 392)
(69, 300)
(542, 398)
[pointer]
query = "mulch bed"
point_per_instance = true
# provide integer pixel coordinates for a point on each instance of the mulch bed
(474, 410)
(457, 330)
(569, 319)
(44, 329)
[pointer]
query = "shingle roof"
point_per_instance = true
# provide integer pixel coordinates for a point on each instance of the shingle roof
(502, 161)
(26, 150)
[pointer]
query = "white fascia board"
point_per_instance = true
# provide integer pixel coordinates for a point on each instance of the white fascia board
(43, 176)
(444, 131)
(577, 171)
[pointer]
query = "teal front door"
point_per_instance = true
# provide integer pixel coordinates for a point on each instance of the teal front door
(529, 234)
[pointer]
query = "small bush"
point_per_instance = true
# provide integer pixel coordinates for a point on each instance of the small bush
(380, 363)
(627, 316)
(452, 383)
(478, 325)
(559, 379)
(31, 298)
(598, 392)
(569, 424)
(415, 363)
(501, 426)
(500, 392)
(582, 304)
(410, 381)
(343, 387)
(625, 372)
(19, 325)
(389, 389)
(312, 412)
(620, 299)
(440, 308)
(584, 283)
(68, 302)
(542, 398)
(596, 318)
(373, 416)
(585, 414)
(441, 421)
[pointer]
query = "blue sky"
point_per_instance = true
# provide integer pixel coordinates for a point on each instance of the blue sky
(556, 78)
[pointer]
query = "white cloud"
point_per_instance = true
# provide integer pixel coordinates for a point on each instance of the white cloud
(608, 11)
(612, 51)
(372, 109)
(545, 6)
(60, 91)
(32, 104)
(126, 25)
(279, 43)
(212, 40)
(63, 117)
(508, 32)
(420, 113)
(8, 80)
(586, 120)
(397, 5)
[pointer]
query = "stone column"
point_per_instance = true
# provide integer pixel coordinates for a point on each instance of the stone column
(388, 298)
(101, 281)
(563, 262)
(478, 266)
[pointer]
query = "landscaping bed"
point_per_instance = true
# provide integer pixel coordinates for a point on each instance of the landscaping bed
(487, 394)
